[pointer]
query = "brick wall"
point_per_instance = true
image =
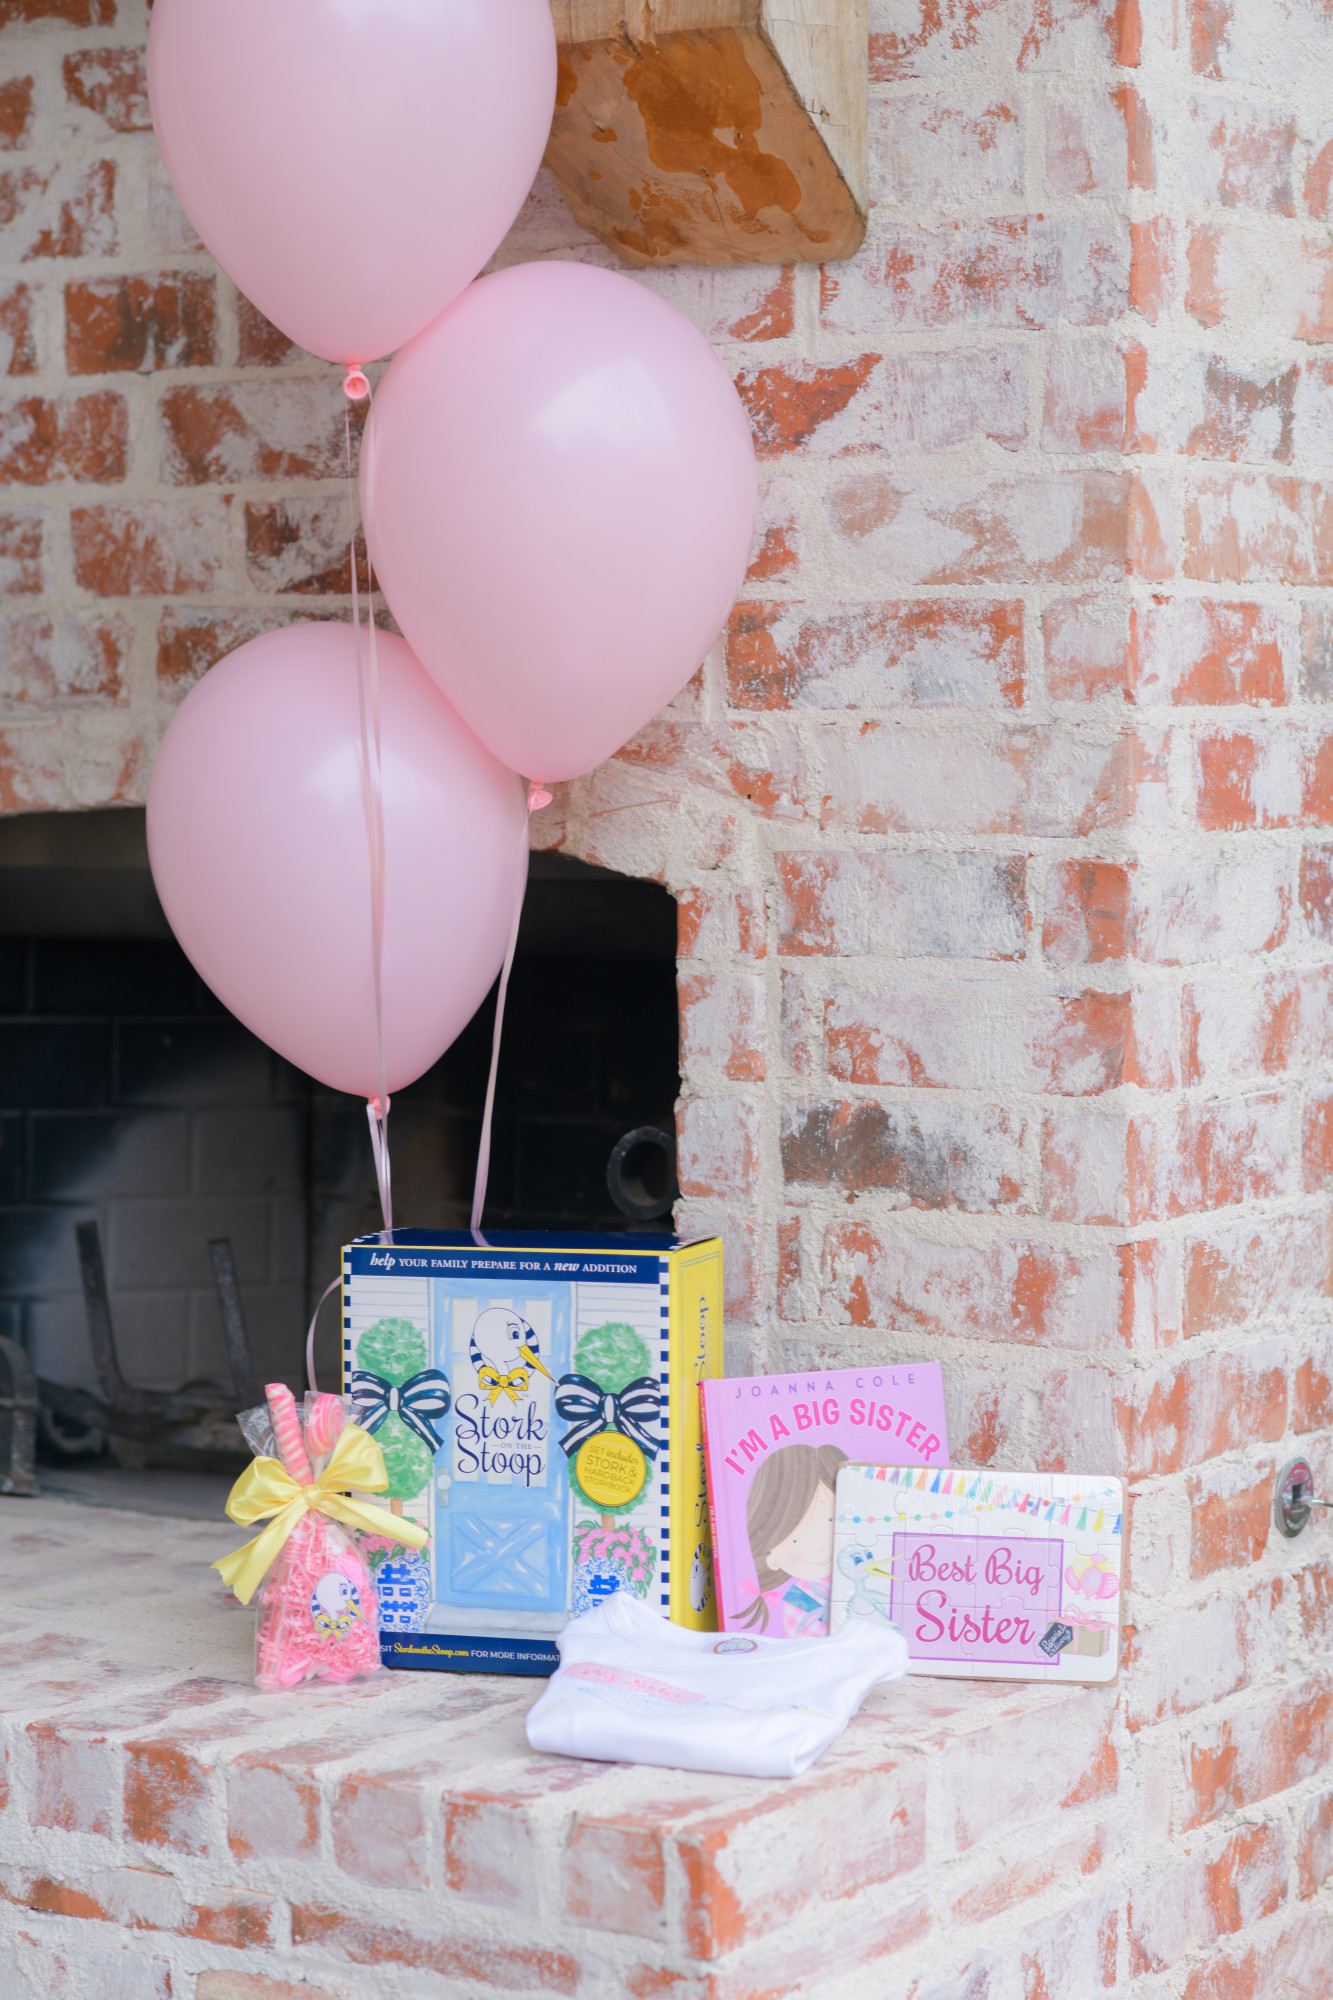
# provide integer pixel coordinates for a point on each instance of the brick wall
(999, 824)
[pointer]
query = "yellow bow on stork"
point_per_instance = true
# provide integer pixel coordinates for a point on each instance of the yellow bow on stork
(266, 1489)
(515, 1384)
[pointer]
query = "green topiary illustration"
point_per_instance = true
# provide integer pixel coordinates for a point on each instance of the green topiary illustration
(612, 1356)
(396, 1350)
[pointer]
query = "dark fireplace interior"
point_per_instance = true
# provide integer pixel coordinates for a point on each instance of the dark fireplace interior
(130, 1097)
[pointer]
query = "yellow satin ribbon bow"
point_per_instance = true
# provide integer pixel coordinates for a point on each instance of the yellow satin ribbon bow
(267, 1488)
(490, 1379)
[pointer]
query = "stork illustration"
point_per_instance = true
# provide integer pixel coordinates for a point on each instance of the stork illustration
(504, 1351)
(859, 1565)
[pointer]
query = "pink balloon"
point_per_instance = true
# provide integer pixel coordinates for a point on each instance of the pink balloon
(257, 837)
(352, 164)
(558, 487)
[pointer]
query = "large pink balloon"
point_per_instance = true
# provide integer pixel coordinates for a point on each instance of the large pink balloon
(257, 837)
(558, 487)
(352, 164)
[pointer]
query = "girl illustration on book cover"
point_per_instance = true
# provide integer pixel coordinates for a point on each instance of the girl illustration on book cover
(789, 1520)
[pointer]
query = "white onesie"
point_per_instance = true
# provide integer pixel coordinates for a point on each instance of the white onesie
(631, 1688)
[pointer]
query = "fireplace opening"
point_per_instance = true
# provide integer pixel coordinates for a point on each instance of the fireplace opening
(130, 1099)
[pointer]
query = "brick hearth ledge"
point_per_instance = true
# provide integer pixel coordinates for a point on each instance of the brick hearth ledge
(170, 1833)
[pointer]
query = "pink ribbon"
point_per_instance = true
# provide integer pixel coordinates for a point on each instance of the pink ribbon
(355, 387)
(538, 797)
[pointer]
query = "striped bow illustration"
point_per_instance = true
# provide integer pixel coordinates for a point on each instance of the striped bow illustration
(591, 1409)
(424, 1397)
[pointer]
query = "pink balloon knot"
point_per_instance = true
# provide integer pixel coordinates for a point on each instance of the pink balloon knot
(538, 797)
(374, 1104)
(356, 386)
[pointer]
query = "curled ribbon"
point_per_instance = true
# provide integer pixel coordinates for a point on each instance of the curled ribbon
(266, 1489)
(592, 1410)
(425, 1396)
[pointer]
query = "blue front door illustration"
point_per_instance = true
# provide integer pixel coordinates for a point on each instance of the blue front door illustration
(502, 1490)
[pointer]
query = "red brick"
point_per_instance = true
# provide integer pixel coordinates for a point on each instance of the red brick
(1019, 1292)
(69, 211)
(1275, 778)
(791, 1268)
(1033, 779)
(481, 1961)
(1088, 912)
(18, 341)
(1152, 267)
(1239, 155)
(1317, 1141)
(166, 1797)
(994, 1420)
(489, 1852)
(741, 759)
(921, 653)
(31, 769)
(255, 1986)
(16, 113)
(379, 1830)
(142, 1899)
(112, 84)
(1245, 1270)
(1295, 1962)
(1074, 1952)
(992, 1780)
(1197, 1411)
(821, 1839)
(1230, 1511)
(794, 1022)
(1253, 1024)
(1312, 1389)
(779, 538)
(957, 1038)
(73, 1783)
(1274, 1742)
(1228, 1634)
(252, 430)
(1236, 272)
(914, 905)
(1199, 650)
(1206, 406)
(1015, 271)
(189, 642)
(615, 1876)
(1188, 1902)
(947, 146)
(1197, 909)
(21, 537)
(272, 1809)
(720, 923)
(1005, 1884)
(1060, 529)
(259, 344)
(70, 437)
(74, 13)
(1319, 183)
(724, 1027)
(1098, 142)
(1128, 1168)
(1081, 34)
(951, 1156)
(1085, 405)
(149, 548)
(1314, 1844)
(742, 1265)
(911, 402)
(164, 320)
(298, 546)
(1316, 891)
(718, 1140)
(62, 662)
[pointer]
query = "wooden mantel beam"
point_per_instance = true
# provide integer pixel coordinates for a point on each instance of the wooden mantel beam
(714, 131)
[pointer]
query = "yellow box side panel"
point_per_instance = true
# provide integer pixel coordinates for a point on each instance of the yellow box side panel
(695, 1304)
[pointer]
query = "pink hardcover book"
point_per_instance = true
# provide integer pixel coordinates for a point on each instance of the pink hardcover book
(772, 1447)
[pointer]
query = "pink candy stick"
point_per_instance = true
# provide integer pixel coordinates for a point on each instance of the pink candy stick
(287, 1430)
(324, 1420)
